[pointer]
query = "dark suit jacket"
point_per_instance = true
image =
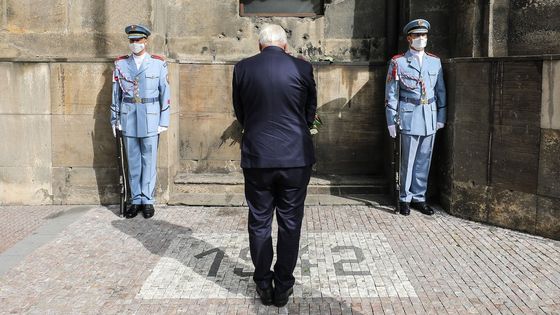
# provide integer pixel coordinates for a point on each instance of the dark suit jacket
(275, 101)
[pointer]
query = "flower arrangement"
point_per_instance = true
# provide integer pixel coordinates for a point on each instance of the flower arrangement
(317, 122)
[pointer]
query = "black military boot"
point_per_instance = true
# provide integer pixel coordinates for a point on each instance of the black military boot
(423, 207)
(131, 211)
(148, 211)
(405, 208)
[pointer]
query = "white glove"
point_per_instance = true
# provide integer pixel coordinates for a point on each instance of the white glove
(439, 125)
(161, 129)
(392, 131)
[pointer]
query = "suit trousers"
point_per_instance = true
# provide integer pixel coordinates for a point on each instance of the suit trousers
(142, 160)
(415, 166)
(283, 190)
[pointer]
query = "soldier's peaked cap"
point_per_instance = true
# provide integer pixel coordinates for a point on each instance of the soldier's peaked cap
(418, 26)
(137, 31)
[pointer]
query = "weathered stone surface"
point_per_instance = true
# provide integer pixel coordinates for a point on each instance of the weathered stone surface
(550, 110)
(549, 163)
(81, 45)
(534, 27)
(437, 12)
(227, 36)
(469, 92)
(355, 49)
(440, 181)
(212, 136)
(186, 29)
(470, 153)
(82, 88)
(110, 16)
(25, 88)
(465, 28)
(215, 17)
(469, 117)
(85, 185)
(36, 16)
(81, 29)
(548, 217)
(25, 185)
(345, 19)
(498, 28)
(470, 201)
(350, 104)
(82, 141)
(217, 166)
(26, 141)
(513, 209)
(516, 131)
(2, 15)
(174, 82)
(206, 88)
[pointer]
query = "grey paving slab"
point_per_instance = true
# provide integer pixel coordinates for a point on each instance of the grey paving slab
(354, 259)
(20, 221)
(55, 223)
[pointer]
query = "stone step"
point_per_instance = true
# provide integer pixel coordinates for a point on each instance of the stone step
(232, 183)
(238, 200)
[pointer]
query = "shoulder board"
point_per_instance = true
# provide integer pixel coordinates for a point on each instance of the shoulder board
(430, 54)
(121, 57)
(397, 56)
(158, 57)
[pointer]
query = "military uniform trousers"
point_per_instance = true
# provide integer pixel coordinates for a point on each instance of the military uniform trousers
(283, 190)
(416, 157)
(142, 162)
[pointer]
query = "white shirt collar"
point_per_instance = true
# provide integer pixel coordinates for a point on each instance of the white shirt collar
(139, 59)
(418, 55)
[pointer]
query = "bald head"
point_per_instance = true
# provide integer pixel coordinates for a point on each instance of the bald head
(273, 35)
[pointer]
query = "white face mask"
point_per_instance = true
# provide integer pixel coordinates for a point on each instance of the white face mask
(136, 47)
(419, 43)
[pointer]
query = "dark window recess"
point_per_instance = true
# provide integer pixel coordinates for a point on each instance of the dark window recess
(281, 7)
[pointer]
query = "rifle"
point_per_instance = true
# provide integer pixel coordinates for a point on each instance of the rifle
(123, 172)
(396, 164)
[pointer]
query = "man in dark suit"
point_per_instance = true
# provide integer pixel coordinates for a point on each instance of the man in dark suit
(275, 101)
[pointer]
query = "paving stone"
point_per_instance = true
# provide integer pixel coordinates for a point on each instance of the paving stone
(354, 259)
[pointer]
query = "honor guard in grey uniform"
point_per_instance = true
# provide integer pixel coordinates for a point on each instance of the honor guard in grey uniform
(140, 109)
(415, 104)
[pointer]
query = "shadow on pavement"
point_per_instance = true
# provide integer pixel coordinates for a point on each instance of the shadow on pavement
(157, 236)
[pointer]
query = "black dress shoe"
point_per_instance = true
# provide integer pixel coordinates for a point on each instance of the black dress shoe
(266, 295)
(281, 298)
(131, 211)
(405, 208)
(423, 207)
(148, 211)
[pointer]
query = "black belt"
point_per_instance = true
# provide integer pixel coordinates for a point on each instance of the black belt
(415, 101)
(140, 100)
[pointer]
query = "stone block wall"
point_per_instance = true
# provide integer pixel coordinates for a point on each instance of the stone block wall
(350, 103)
(59, 146)
(534, 28)
(501, 161)
(191, 30)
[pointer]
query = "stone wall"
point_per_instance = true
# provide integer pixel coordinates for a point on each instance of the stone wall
(499, 158)
(59, 148)
(534, 28)
(213, 31)
(192, 30)
(350, 103)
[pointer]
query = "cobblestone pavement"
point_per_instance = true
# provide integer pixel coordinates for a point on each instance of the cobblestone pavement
(354, 260)
(20, 221)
